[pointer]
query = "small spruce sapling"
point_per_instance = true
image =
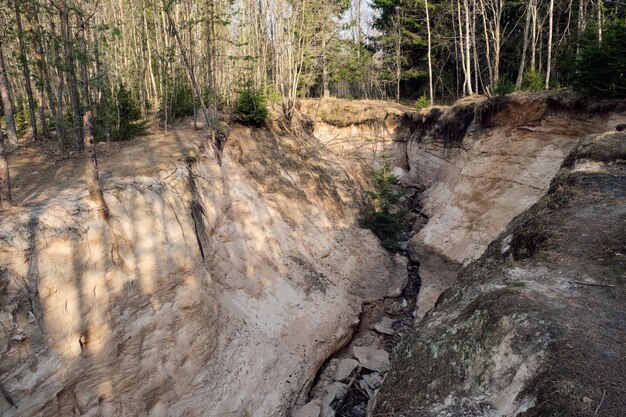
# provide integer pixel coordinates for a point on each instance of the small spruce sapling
(382, 217)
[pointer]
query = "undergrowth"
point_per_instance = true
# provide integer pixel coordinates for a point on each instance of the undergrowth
(382, 216)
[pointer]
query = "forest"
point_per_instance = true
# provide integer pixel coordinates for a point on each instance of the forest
(121, 61)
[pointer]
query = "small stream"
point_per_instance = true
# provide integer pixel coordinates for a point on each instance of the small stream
(347, 383)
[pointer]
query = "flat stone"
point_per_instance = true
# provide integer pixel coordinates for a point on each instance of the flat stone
(384, 326)
(310, 409)
(327, 411)
(373, 359)
(365, 387)
(373, 380)
(399, 278)
(334, 391)
(345, 368)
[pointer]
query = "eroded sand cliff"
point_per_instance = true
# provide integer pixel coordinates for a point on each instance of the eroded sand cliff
(220, 291)
(216, 290)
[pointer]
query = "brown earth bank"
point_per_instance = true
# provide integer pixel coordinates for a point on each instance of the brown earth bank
(536, 326)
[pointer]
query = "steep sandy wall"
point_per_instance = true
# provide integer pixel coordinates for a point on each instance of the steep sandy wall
(535, 326)
(214, 291)
(374, 132)
(480, 163)
(477, 163)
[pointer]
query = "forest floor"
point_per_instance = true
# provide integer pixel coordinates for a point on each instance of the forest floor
(42, 169)
(342, 113)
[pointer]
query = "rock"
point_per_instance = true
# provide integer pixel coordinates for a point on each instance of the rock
(419, 223)
(373, 359)
(310, 409)
(327, 411)
(410, 192)
(334, 392)
(437, 274)
(345, 368)
(505, 245)
(401, 277)
(384, 326)
(371, 405)
(365, 387)
(359, 410)
(373, 380)
(399, 172)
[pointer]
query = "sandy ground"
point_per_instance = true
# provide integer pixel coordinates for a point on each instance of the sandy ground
(38, 170)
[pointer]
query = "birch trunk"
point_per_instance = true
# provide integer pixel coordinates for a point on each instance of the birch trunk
(430, 65)
(71, 74)
(549, 59)
(520, 73)
(468, 56)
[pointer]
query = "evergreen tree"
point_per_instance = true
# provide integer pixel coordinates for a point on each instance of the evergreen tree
(601, 65)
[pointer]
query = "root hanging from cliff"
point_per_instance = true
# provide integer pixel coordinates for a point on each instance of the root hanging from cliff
(197, 212)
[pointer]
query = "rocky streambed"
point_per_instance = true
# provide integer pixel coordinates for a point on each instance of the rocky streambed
(478, 165)
(347, 383)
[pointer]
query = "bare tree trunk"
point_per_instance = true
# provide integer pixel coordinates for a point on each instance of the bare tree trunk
(580, 24)
(600, 21)
(466, 78)
(430, 64)
(208, 116)
(155, 92)
(497, 38)
(325, 80)
(487, 43)
(25, 70)
(71, 73)
(398, 61)
(42, 66)
(457, 23)
(549, 60)
(520, 73)
(91, 167)
(84, 76)
(5, 178)
(475, 49)
(468, 56)
(533, 49)
(58, 115)
(5, 91)
(42, 113)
